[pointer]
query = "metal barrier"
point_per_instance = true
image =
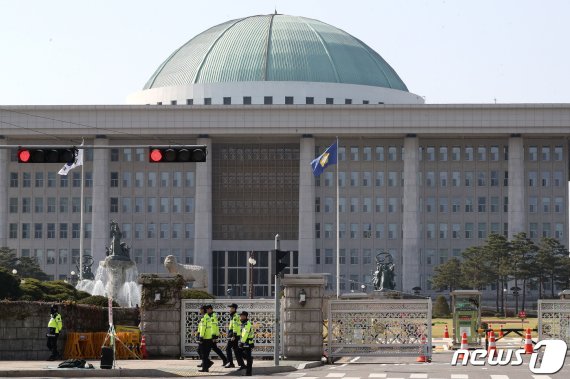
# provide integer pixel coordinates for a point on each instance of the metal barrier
(379, 328)
(554, 320)
(261, 314)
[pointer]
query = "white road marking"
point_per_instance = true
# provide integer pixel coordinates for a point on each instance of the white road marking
(354, 359)
(297, 374)
(336, 375)
(459, 376)
(377, 375)
(541, 377)
(418, 376)
(499, 377)
(343, 365)
(351, 377)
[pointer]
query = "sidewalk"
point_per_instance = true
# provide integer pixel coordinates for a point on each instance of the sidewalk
(142, 368)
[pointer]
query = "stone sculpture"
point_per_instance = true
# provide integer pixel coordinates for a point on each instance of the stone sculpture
(190, 273)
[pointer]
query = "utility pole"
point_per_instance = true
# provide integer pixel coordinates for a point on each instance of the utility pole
(277, 307)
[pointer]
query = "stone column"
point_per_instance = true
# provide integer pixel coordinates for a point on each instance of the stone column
(410, 243)
(161, 314)
(303, 324)
(517, 218)
(101, 203)
(306, 206)
(4, 183)
(203, 213)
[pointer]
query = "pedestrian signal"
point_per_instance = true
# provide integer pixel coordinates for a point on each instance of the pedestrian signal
(281, 261)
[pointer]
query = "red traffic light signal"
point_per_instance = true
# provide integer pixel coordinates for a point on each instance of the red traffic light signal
(178, 154)
(47, 155)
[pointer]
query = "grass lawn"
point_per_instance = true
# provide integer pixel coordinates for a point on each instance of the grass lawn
(509, 322)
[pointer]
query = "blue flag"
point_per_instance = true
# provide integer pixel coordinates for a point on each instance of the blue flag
(324, 160)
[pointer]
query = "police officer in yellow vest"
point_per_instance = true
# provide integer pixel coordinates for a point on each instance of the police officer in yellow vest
(247, 335)
(209, 332)
(216, 333)
(234, 329)
(54, 327)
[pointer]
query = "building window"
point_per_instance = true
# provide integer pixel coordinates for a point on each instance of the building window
(114, 205)
(481, 153)
(468, 204)
(114, 155)
(189, 101)
(328, 256)
(533, 153)
(546, 205)
(151, 230)
(63, 231)
(532, 179)
(39, 182)
(309, 100)
(468, 153)
(227, 100)
(354, 253)
(348, 101)
(114, 179)
(379, 231)
(39, 205)
(207, 101)
(13, 180)
(13, 231)
(455, 153)
(25, 231)
(545, 181)
(268, 100)
(481, 178)
(392, 153)
(38, 230)
(76, 180)
(26, 205)
(469, 230)
(317, 230)
(558, 153)
(365, 102)
(546, 230)
(173, 102)
(151, 204)
(329, 100)
(247, 100)
(481, 204)
(13, 205)
(63, 205)
(354, 231)
(26, 180)
(189, 231)
(288, 100)
(75, 230)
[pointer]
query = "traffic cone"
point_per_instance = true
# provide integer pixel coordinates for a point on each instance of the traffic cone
(144, 353)
(464, 345)
(446, 332)
(490, 328)
(528, 349)
(422, 357)
(501, 334)
(492, 350)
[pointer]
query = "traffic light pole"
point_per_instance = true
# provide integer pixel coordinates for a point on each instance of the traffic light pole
(277, 308)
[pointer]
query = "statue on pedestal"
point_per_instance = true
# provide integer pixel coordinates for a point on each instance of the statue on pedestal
(118, 250)
(384, 278)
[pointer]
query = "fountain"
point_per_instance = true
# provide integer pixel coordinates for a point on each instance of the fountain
(116, 276)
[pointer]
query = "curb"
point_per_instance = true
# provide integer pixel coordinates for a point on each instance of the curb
(142, 373)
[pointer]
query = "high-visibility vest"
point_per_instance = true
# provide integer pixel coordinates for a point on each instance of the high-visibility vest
(215, 325)
(55, 322)
(247, 332)
(234, 325)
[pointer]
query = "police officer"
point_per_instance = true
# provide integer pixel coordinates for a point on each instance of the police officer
(234, 328)
(202, 312)
(216, 334)
(54, 327)
(205, 338)
(247, 335)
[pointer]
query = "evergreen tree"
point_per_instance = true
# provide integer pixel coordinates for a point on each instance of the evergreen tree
(523, 255)
(26, 267)
(498, 251)
(447, 276)
(550, 259)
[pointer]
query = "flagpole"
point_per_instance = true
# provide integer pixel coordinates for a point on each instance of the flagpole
(337, 226)
(81, 223)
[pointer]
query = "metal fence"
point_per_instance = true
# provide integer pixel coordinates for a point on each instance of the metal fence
(554, 320)
(261, 314)
(379, 328)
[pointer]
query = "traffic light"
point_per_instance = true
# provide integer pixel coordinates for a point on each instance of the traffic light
(280, 261)
(47, 155)
(177, 154)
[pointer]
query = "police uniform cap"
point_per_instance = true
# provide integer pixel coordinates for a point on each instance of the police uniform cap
(233, 305)
(53, 308)
(244, 313)
(209, 306)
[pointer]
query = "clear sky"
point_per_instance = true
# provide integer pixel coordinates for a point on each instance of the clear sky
(453, 51)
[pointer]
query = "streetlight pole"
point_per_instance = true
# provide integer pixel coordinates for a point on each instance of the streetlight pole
(505, 302)
(251, 260)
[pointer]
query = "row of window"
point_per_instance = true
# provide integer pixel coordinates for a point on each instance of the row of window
(152, 230)
(267, 100)
(153, 204)
(456, 205)
(61, 256)
(126, 205)
(441, 179)
(50, 180)
(444, 153)
(151, 179)
(366, 231)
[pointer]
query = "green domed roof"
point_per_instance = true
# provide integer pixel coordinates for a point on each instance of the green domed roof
(275, 48)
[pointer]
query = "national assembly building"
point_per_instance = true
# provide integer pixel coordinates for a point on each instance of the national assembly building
(267, 94)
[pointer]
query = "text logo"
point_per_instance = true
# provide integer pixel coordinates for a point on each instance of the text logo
(551, 362)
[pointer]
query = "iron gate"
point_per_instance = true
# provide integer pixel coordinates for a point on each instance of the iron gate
(379, 328)
(261, 314)
(554, 320)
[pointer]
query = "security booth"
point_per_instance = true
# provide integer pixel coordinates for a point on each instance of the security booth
(466, 308)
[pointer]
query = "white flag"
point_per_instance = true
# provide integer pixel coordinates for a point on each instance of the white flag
(70, 166)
